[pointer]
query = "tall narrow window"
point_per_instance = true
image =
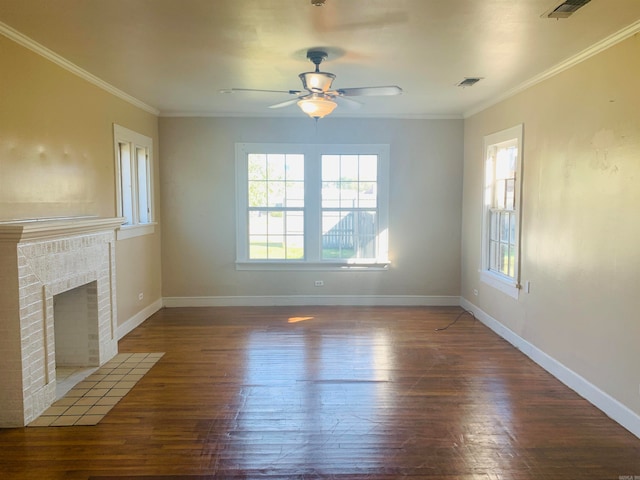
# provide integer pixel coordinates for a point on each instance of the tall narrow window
(349, 206)
(319, 206)
(276, 206)
(501, 226)
(134, 192)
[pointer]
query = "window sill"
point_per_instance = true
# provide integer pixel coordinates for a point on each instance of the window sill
(505, 286)
(313, 266)
(131, 231)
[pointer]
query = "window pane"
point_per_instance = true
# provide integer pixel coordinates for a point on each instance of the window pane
(295, 223)
(349, 167)
(494, 226)
(368, 169)
(144, 211)
(257, 194)
(276, 193)
(276, 167)
(367, 195)
(126, 182)
(504, 259)
(510, 194)
(257, 167)
(330, 195)
(295, 167)
(504, 227)
(348, 194)
(276, 235)
(349, 234)
(512, 230)
(295, 247)
(294, 194)
(330, 168)
(493, 256)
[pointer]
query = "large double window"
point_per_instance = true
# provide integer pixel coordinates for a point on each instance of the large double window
(312, 205)
(501, 228)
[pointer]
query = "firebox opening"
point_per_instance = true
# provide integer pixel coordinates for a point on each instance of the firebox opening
(75, 320)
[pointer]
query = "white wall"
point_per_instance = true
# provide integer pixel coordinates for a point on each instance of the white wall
(198, 183)
(580, 220)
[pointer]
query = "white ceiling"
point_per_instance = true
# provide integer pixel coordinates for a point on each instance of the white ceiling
(175, 55)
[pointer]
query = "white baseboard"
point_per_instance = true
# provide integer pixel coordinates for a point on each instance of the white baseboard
(313, 300)
(138, 318)
(602, 400)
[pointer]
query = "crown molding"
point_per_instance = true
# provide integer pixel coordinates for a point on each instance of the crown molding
(50, 55)
(595, 49)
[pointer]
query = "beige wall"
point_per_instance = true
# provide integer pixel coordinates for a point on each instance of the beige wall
(56, 158)
(580, 219)
(198, 184)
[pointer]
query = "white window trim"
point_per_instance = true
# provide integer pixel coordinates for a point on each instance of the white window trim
(312, 262)
(123, 134)
(507, 285)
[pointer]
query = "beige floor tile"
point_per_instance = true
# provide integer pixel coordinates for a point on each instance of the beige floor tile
(117, 392)
(65, 420)
(64, 401)
(126, 384)
(89, 420)
(86, 384)
(78, 410)
(77, 392)
(107, 384)
(86, 401)
(96, 392)
(43, 421)
(99, 410)
(108, 401)
(55, 410)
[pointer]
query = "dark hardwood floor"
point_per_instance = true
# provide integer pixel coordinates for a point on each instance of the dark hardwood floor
(331, 392)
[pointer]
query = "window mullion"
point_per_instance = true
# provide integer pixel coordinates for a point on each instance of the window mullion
(312, 201)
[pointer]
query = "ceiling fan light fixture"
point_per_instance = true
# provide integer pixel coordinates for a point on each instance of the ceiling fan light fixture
(317, 81)
(317, 106)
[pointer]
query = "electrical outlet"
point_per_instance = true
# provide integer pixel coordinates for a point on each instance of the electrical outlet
(319, 283)
(475, 292)
(140, 296)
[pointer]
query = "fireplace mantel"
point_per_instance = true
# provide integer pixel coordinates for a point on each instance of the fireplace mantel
(39, 259)
(43, 228)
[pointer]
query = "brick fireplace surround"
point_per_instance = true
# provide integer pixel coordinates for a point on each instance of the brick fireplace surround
(40, 259)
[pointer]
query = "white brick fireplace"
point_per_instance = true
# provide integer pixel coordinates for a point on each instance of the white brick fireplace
(69, 263)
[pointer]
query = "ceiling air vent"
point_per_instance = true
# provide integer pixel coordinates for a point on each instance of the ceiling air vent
(468, 82)
(565, 9)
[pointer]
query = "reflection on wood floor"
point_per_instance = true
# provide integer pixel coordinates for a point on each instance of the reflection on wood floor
(331, 392)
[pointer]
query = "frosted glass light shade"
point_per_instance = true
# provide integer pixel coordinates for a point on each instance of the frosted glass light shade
(316, 106)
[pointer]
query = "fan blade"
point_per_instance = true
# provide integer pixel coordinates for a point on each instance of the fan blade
(369, 91)
(287, 103)
(347, 102)
(234, 90)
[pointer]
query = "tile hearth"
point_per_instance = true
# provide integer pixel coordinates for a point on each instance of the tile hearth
(90, 400)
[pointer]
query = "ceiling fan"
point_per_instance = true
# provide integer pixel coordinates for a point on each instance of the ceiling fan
(317, 99)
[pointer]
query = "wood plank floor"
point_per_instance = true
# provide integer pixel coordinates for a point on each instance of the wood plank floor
(330, 392)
